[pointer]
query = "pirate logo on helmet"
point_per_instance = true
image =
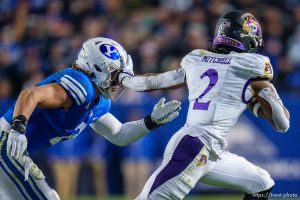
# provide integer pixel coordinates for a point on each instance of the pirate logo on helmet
(251, 27)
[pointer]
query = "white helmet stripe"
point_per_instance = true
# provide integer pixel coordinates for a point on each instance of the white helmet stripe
(75, 89)
(72, 93)
(77, 84)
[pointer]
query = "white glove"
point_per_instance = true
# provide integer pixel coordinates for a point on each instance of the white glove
(126, 68)
(16, 144)
(162, 113)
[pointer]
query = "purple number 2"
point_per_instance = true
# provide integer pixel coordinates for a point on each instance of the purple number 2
(213, 79)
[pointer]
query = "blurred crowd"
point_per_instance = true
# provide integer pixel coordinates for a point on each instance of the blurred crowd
(40, 37)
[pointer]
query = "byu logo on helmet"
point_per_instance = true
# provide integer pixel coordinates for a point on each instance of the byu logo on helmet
(110, 51)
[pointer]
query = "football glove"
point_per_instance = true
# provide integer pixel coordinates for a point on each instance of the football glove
(126, 68)
(162, 113)
(17, 141)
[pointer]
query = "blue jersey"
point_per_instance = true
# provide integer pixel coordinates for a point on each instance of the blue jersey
(47, 127)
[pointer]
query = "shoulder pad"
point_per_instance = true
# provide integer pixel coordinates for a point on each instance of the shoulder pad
(259, 66)
(190, 56)
(77, 84)
(262, 68)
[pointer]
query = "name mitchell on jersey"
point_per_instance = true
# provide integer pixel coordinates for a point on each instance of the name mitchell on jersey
(210, 59)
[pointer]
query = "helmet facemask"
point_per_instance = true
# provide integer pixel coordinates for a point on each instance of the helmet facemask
(110, 87)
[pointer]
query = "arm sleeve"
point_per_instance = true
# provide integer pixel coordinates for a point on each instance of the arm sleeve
(160, 81)
(279, 118)
(116, 132)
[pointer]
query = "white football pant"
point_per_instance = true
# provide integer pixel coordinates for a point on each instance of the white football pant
(12, 179)
(187, 161)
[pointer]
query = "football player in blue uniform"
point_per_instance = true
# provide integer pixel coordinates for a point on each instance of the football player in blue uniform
(60, 107)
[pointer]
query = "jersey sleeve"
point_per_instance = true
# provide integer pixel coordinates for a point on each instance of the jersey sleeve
(262, 68)
(101, 108)
(255, 66)
(77, 85)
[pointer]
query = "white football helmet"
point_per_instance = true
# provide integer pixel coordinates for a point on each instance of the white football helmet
(102, 58)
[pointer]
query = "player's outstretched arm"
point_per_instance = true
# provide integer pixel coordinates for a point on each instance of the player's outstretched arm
(267, 104)
(148, 82)
(47, 96)
(124, 134)
(151, 81)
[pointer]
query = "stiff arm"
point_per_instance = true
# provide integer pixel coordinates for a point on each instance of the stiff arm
(163, 81)
(117, 133)
(124, 134)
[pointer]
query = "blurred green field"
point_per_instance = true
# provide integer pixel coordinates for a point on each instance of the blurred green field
(202, 197)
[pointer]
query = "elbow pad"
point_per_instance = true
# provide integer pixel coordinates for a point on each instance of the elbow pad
(163, 80)
(281, 122)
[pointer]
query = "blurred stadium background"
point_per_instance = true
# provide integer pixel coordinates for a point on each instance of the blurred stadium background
(39, 37)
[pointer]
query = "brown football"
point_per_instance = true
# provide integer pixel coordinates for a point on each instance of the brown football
(265, 111)
(266, 107)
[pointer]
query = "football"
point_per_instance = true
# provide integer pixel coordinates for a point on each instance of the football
(265, 109)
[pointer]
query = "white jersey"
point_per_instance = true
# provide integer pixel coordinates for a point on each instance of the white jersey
(219, 91)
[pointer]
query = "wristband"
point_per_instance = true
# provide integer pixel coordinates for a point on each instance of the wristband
(19, 124)
(150, 124)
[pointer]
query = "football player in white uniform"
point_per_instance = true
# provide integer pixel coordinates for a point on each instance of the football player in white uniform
(222, 82)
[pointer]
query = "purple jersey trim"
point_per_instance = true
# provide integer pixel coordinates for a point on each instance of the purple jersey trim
(201, 105)
(228, 41)
(244, 91)
(185, 152)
